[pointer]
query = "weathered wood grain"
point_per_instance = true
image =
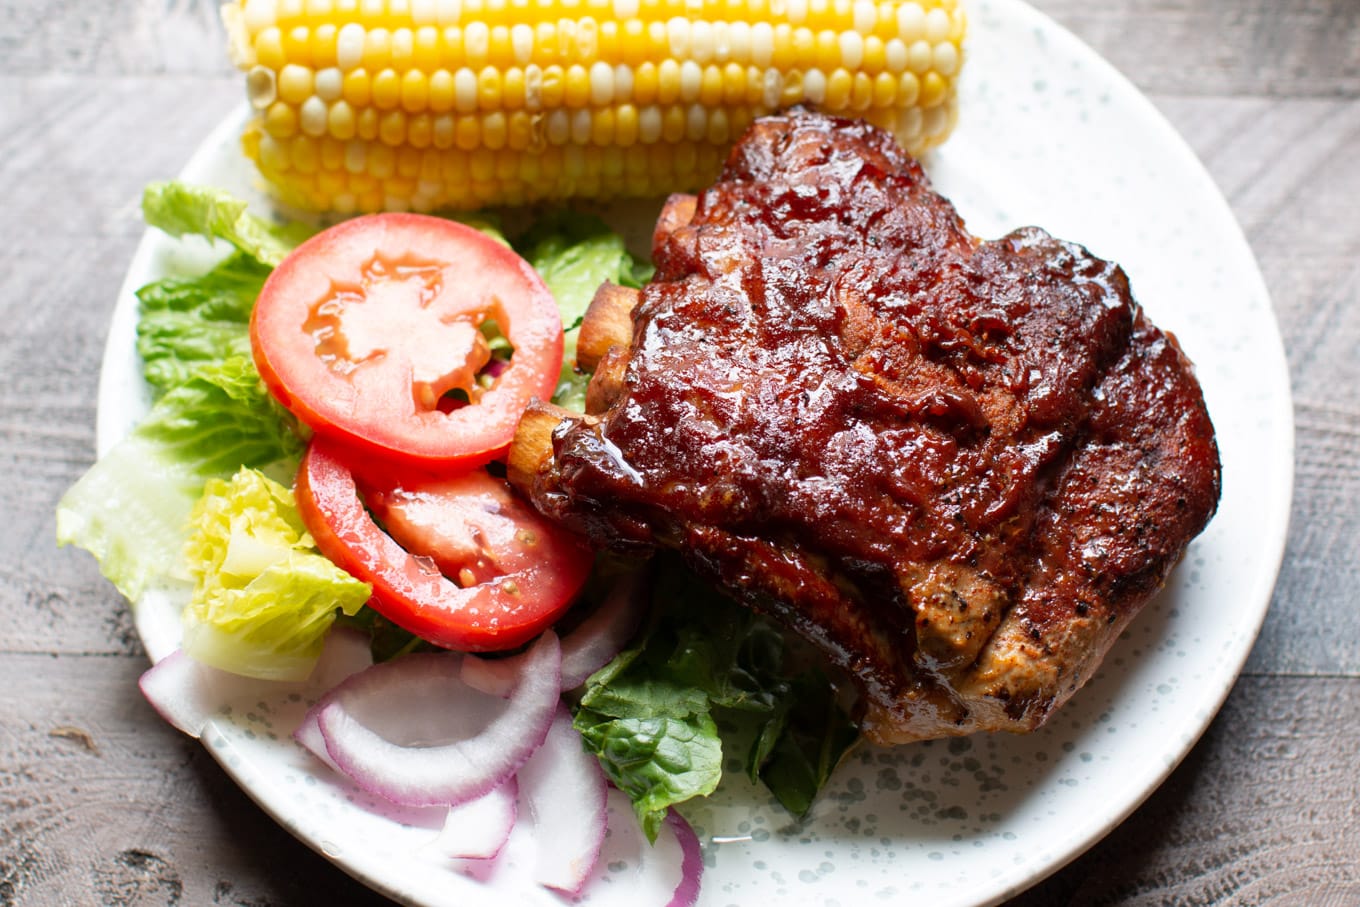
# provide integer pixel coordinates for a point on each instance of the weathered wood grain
(101, 803)
(1265, 810)
(104, 805)
(75, 155)
(1291, 171)
(138, 37)
(1224, 48)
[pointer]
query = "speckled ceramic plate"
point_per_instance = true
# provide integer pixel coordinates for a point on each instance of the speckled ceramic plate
(1048, 134)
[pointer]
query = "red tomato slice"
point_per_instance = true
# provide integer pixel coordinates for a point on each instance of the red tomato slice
(370, 329)
(519, 572)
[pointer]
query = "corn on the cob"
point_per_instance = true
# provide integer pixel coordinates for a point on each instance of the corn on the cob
(429, 104)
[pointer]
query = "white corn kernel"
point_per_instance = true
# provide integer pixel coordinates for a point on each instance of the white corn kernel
(330, 84)
(312, 116)
(911, 22)
(601, 83)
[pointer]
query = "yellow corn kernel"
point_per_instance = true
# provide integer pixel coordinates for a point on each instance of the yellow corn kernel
(576, 86)
(392, 128)
(366, 124)
(280, 120)
(415, 91)
(420, 131)
(295, 84)
(357, 88)
(386, 89)
(489, 89)
(441, 91)
(340, 120)
(297, 46)
(323, 48)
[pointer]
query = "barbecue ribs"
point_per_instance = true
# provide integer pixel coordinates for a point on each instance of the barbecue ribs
(958, 467)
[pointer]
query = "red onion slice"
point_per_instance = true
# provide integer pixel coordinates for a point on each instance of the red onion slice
(665, 873)
(493, 676)
(563, 791)
(413, 732)
(691, 862)
(478, 829)
(585, 649)
(187, 693)
(603, 634)
(308, 734)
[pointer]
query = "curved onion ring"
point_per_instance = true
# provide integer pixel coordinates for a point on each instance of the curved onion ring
(603, 634)
(563, 790)
(478, 829)
(691, 862)
(447, 743)
(186, 693)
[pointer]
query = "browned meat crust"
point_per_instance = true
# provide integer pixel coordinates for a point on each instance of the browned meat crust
(959, 467)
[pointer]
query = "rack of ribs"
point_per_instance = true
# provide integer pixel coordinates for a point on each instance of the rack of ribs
(958, 467)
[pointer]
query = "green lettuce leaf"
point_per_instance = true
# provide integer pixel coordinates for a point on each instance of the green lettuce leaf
(651, 715)
(657, 761)
(186, 322)
(263, 596)
(575, 253)
(181, 209)
(221, 418)
(796, 750)
(129, 510)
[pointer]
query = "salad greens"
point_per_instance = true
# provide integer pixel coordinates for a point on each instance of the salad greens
(187, 497)
(211, 415)
(574, 254)
(189, 322)
(181, 209)
(654, 714)
(264, 597)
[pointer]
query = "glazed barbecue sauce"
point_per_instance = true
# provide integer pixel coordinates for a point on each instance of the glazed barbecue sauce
(851, 413)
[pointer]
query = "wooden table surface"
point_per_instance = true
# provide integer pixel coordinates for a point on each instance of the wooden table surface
(102, 803)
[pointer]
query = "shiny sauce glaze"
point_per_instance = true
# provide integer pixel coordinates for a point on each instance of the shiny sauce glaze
(958, 466)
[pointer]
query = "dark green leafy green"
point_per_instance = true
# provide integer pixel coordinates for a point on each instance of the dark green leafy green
(656, 761)
(796, 750)
(649, 715)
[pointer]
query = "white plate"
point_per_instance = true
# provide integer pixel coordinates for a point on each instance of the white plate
(1048, 134)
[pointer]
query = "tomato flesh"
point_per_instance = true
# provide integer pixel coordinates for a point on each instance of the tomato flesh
(369, 328)
(519, 572)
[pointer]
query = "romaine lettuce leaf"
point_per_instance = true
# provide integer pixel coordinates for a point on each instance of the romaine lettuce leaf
(181, 209)
(575, 253)
(263, 597)
(221, 418)
(129, 510)
(186, 322)
(212, 414)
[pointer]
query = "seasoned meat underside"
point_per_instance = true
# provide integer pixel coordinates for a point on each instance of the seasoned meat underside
(958, 467)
